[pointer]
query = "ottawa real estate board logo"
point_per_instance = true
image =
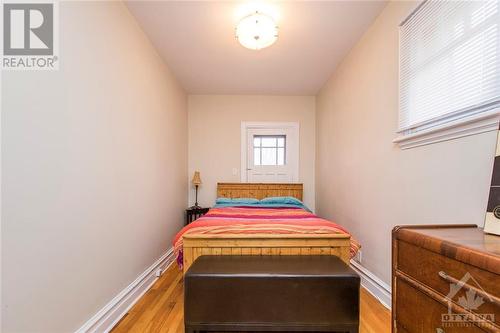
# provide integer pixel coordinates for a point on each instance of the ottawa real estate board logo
(30, 36)
(468, 294)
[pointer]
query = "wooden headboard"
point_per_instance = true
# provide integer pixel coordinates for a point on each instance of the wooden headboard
(259, 190)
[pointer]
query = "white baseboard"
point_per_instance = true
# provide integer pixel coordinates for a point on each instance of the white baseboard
(375, 286)
(104, 320)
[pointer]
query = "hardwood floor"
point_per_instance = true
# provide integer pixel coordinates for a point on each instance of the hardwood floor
(161, 309)
(374, 317)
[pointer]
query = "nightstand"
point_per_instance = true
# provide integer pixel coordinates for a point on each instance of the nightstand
(193, 213)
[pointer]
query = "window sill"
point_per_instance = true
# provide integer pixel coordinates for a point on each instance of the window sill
(481, 123)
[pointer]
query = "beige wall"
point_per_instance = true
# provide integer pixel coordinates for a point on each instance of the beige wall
(215, 135)
(367, 183)
(94, 170)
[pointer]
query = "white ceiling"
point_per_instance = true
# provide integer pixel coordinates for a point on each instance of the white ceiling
(196, 40)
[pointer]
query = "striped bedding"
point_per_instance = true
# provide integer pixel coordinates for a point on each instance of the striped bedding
(259, 220)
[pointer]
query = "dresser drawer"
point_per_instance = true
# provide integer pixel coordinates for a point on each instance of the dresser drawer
(419, 313)
(437, 272)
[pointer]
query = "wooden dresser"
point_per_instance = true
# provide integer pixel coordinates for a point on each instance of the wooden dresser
(445, 279)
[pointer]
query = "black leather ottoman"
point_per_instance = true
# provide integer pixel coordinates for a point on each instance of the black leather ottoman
(271, 293)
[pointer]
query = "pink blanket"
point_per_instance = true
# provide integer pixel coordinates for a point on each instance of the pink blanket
(258, 220)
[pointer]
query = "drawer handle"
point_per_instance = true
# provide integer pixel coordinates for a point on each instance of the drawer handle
(450, 279)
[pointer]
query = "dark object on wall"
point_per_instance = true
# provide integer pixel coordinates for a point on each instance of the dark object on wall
(445, 279)
(193, 213)
(271, 293)
(492, 221)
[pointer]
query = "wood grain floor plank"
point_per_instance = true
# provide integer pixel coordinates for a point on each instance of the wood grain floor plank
(160, 310)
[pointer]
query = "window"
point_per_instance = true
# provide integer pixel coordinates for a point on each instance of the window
(449, 66)
(269, 150)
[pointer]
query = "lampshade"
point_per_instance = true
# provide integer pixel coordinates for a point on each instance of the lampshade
(257, 31)
(196, 178)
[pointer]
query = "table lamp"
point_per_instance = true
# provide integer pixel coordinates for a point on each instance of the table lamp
(196, 182)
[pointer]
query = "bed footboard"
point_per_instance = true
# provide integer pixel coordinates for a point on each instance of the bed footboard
(324, 244)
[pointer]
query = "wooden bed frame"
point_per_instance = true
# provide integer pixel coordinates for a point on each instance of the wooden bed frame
(263, 244)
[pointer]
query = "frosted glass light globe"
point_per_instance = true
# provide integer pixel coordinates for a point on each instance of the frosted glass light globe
(257, 31)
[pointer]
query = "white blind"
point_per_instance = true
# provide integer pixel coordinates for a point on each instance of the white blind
(449, 63)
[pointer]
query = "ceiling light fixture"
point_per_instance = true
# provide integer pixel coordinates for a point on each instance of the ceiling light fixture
(257, 31)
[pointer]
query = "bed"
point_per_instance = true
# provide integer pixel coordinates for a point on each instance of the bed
(261, 230)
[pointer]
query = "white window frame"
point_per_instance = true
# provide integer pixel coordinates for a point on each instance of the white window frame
(451, 126)
(292, 152)
(276, 147)
(451, 129)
